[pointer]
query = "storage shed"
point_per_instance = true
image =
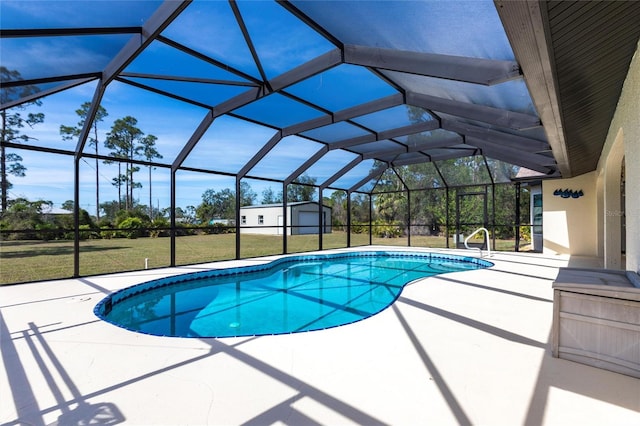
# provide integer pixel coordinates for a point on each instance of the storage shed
(302, 218)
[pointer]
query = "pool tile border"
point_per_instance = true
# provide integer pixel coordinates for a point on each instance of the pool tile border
(105, 305)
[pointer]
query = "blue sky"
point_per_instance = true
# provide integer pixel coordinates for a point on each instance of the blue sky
(281, 42)
(229, 142)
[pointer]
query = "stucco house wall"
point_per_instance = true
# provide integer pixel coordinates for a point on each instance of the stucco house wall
(592, 225)
(623, 139)
(569, 224)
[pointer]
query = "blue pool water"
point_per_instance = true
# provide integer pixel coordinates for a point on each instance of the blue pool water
(292, 294)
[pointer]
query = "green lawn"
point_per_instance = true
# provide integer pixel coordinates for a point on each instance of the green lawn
(22, 261)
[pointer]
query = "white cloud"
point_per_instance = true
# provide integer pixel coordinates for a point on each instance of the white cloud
(37, 57)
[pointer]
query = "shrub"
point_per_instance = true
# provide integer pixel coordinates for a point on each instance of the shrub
(131, 227)
(124, 215)
(183, 230)
(525, 233)
(88, 232)
(105, 223)
(359, 228)
(219, 228)
(387, 230)
(107, 232)
(48, 231)
(159, 228)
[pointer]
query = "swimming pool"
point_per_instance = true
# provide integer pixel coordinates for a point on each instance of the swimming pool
(289, 295)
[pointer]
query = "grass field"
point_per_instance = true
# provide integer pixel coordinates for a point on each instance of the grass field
(23, 261)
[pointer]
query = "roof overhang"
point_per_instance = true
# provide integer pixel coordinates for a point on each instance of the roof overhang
(574, 57)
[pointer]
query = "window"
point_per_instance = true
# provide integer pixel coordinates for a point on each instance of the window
(537, 214)
(243, 220)
(260, 219)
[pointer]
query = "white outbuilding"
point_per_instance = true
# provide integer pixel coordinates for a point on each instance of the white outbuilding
(302, 218)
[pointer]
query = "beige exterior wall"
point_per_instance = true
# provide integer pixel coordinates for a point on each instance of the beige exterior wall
(623, 139)
(569, 224)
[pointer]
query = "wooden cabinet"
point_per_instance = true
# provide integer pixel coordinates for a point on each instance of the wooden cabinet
(596, 319)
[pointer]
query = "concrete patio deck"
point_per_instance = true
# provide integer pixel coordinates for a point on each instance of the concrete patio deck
(462, 348)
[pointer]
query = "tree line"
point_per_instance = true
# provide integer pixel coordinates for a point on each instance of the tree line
(125, 142)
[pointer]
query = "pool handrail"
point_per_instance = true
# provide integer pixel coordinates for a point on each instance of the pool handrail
(486, 232)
